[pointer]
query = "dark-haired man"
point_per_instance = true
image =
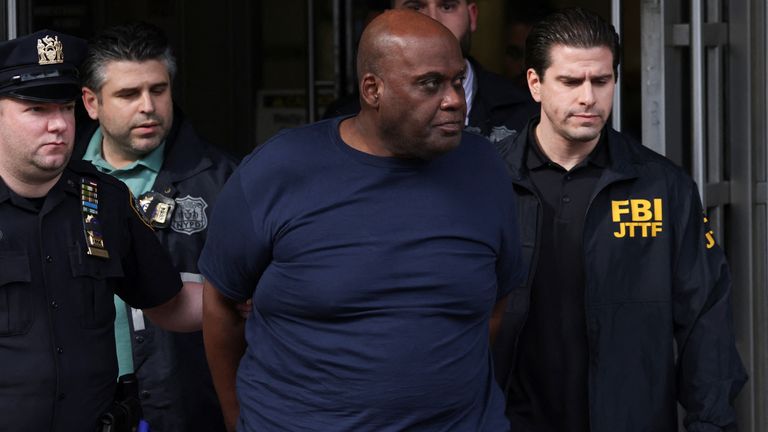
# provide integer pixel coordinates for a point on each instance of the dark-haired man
(143, 140)
(375, 249)
(496, 108)
(69, 240)
(622, 265)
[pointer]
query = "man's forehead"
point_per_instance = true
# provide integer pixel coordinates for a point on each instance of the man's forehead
(431, 43)
(416, 65)
(125, 72)
(569, 53)
(577, 58)
(439, 66)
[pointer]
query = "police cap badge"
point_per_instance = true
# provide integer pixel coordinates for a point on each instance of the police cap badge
(41, 67)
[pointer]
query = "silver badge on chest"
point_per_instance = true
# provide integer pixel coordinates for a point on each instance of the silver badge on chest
(189, 217)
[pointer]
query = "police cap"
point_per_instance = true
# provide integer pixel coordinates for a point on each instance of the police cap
(41, 67)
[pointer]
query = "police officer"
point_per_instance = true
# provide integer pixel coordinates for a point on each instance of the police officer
(138, 136)
(622, 265)
(70, 237)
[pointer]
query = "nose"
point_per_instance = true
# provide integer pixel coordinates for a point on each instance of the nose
(431, 11)
(147, 103)
(453, 99)
(587, 96)
(58, 122)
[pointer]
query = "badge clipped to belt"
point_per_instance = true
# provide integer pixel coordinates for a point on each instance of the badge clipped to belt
(156, 209)
(94, 239)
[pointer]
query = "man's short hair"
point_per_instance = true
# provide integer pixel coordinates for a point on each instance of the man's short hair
(572, 27)
(137, 42)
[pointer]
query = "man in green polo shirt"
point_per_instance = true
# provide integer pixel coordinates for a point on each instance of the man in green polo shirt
(140, 138)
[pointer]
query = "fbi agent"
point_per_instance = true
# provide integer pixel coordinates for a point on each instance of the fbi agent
(69, 238)
(630, 297)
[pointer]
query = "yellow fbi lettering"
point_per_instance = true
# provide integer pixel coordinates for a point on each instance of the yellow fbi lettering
(710, 235)
(637, 217)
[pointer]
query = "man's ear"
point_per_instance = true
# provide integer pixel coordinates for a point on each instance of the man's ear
(534, 84)
(473, 13)
(370, 90)
(91, 103)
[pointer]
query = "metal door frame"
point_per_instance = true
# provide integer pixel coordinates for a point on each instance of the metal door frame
(717, 71)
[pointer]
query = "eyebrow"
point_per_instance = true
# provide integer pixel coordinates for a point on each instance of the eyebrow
(429, 75)
(139, 87)
(581, 78)
(438, 75)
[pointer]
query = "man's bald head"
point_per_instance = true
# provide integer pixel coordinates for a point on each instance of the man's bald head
(390, 32)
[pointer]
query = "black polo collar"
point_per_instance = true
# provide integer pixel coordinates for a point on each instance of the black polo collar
(535, 157)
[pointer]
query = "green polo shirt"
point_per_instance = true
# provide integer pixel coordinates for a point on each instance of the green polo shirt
(139, 176)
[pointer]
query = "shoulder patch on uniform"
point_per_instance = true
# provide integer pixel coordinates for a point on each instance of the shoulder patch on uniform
(189, 217)
(136, 211)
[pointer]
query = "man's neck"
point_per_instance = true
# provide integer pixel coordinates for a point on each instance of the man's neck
(29, 188)
(112, 154)
(358, 133)
(561, 151)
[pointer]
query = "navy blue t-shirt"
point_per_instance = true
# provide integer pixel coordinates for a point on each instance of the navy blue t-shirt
(372, 281)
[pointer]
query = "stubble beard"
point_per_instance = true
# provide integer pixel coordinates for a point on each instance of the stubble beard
(135, 147)
(578, 133)
(52, 165)
(40, 169)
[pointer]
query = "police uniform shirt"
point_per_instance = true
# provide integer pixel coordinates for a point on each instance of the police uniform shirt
(553, 343)
(57, 348)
